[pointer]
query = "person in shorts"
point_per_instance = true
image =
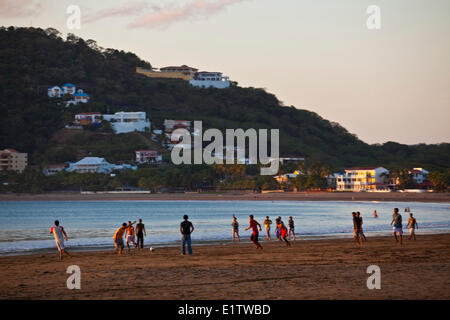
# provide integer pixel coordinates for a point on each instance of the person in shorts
(397, 226)
(291, 228)
(267, 224)
(254, 225)
(130, 235)
(412, 225)
(235, 226)
(60, 234)
(186, 228)
(118, 238)
(361, 231)
(283, 231)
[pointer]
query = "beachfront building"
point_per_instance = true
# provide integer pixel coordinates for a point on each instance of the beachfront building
(172, 72)
(148, 156)
(124, 122)
(96, 165)
(363, 179)
(419, 175)
(205, 79)
(53, 169)
(14, 160)
(88, 119)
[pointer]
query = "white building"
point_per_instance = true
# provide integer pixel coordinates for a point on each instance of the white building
(206, 79)
(363, 179)
(419, 175)
(88, 119)
(96, 165)
(124, 122)
(55, 92)
(148, 156)
(53, 169)
(171, 125)
(78, 96)
(69, 88)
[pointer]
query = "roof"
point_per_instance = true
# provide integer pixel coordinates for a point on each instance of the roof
(11, 150)
(146, 151)
(363, 168)
(69, 85)
(91, 160)
(202, 72)
(81, 95)
(87, 113)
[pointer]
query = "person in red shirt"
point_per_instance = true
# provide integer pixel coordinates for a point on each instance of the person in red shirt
(254, 225)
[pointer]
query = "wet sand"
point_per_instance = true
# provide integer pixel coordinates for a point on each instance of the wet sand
(237, 195)
(312, 269)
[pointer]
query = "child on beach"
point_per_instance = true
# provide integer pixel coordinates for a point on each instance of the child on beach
(291, 228)
(412, 225)
(267, 224)
(118, 238)
(60, 235)
(235, 226)
(255, 233)
(283, 232)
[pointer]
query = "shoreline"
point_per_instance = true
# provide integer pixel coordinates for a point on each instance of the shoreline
(310, 269)
(235, 196)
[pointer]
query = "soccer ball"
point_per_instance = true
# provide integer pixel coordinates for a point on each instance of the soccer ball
(151, 249)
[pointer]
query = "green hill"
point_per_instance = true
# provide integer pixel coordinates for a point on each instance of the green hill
(33, 59)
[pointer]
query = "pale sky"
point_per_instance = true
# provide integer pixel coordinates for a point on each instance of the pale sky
(391, 84)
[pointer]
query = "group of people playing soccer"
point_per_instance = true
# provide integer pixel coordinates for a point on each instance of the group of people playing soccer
(282, 232)
(396, 223)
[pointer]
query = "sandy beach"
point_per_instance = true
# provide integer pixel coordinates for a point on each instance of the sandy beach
(313, 269)
(236, 195)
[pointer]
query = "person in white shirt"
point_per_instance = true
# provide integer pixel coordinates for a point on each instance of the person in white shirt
(60, 235)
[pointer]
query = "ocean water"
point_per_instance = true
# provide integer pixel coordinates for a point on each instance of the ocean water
(25, 226)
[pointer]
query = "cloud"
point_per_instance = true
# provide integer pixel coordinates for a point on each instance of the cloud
(170, 14)
(19, 8)
(127, 9)
(152, 16)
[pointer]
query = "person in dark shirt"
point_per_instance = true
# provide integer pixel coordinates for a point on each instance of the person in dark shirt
(186, 228)
(140, 233)
(291, 228)
(357, 229)
(398, 227)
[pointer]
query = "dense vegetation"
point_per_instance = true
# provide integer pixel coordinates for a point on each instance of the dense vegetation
(33, 59)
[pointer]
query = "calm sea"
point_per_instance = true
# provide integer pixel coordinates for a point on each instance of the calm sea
(25, 226)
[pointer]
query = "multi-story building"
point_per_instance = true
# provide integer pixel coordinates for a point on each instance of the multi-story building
(11, 159)
(88, 118)
(148, 156)
(363, 179)
(96, 165)
(205, 79)
(171, 125)
(419, 175)
(174, 72)
(124, 122)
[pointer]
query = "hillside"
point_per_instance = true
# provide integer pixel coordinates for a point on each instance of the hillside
(33, 59)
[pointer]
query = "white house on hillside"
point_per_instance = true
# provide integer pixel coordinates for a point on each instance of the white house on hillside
(124, 122)
(363, 179)
(78, 95)
(206, 79)
(96, 165)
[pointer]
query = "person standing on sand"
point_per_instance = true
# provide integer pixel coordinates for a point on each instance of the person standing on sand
(186, 228)
(255, 233)
(129, 235)
(267, 224)
(235, 226)
(118, 238)
(283, 231)
(277, 230)
(60, 235)
(398, 228)
(291, 228)
(412, 225)
(361, 231)
(140, 233)
(356, 229)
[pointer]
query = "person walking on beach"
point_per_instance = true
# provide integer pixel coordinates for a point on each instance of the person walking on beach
(412, 225)
(267, 224)
(361, 231)
(357, 229)
(235, 226)
(291, 228)
(398, 227)
(140, 233)
(186, 228)
(254, 225)
(129, 235)
(118, 238)
(283, 231)
(277, 230)
(60, 234)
